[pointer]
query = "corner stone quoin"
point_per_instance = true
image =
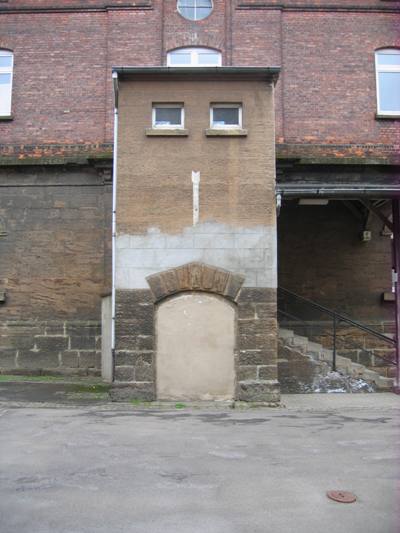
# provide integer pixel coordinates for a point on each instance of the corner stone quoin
(195, 277)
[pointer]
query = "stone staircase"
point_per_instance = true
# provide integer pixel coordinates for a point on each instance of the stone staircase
(305, 362)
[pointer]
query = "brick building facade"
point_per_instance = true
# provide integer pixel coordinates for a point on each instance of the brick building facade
(56, 154)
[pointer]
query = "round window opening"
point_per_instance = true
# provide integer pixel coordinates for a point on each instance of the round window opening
(195, 9)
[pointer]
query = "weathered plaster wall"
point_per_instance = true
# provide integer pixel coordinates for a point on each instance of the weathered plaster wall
(154, 204)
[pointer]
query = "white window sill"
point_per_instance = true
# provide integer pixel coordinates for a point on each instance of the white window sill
(6, 117)
(166, 132)
(226, 132)
(387, 117)
(388, 297)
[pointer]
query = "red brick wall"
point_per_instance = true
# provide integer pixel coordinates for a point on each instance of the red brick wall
(326, 95)
(62, 91)
(329, 77)
(210, 32)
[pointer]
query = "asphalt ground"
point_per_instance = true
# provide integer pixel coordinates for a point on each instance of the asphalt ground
(72, 464)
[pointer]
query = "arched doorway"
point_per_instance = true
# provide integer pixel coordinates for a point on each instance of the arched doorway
(195, 348)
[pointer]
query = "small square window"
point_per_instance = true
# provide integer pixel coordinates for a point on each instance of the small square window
(168, 116)
(226, 116)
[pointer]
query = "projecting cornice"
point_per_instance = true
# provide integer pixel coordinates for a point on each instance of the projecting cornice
(139, 5)
(288, 6)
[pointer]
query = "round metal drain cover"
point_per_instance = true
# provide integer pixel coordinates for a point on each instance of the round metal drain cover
(341, 496)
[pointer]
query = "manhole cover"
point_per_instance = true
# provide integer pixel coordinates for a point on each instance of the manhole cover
(341, 496)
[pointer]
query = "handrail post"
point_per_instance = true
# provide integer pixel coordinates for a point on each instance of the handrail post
(334, 344)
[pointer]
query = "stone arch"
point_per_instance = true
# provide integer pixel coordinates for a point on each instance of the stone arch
(212, 48)
(196, 326)
(5, 46)
(198, 38)
(195, 277)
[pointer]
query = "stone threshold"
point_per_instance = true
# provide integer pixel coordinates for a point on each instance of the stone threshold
(196, 405)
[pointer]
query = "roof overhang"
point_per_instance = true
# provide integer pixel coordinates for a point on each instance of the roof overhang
(254, 73)
(126, 73)
(337, 191)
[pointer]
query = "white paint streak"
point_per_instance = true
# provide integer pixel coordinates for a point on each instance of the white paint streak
(196, 202)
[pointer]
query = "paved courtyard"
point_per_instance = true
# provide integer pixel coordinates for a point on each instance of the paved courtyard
(98, 467)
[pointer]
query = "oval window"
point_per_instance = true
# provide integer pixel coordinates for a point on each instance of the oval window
(195, 9)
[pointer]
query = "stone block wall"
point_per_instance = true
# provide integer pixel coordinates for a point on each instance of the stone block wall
(257, 344)
(69, 347)
(256, 334)
(135, 345)
(54, 266)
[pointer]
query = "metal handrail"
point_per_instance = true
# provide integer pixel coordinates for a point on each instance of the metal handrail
(338, 316)
(337, 319)
(306, 324)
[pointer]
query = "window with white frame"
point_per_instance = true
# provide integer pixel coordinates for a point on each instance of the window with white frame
(6, 71)
(194, 57)
(387, 63)
(194, 9)
(168, 116)
(225, 116)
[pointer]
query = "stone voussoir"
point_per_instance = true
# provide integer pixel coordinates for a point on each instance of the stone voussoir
(195, 277)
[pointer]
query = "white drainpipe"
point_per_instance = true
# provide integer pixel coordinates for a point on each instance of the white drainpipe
(114, 216)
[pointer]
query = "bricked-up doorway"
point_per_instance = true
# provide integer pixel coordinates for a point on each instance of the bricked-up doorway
(195, 348)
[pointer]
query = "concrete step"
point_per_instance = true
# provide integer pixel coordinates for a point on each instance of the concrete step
(299, 340)
(314, 347)
(285, 333)
(344, 363)
(383, 383)
(370, 375)
(326, 355)
(317, 352)
(356, 369)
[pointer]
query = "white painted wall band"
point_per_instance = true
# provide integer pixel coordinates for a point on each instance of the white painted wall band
(248, 251)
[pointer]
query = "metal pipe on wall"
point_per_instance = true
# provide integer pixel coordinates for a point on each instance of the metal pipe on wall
(337, 192)
(114, 217)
